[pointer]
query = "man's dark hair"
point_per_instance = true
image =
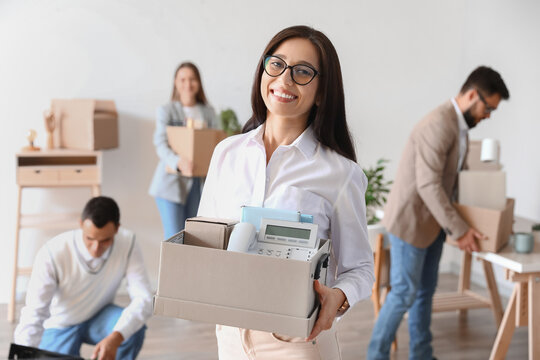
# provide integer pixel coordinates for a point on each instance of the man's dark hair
(488, 81)
(101, 210)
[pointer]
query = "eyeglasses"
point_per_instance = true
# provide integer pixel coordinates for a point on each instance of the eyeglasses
(300, 74)
(487, 108)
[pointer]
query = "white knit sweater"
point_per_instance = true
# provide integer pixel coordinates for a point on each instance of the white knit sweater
(64, 290)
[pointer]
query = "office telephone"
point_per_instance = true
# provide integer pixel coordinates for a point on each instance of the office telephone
(276, 238)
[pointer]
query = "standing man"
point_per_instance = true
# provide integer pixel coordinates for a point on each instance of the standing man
(74, 280)
(419, 213)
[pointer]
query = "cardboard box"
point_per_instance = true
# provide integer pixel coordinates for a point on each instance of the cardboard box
(85, 124)
(197, 145)
(484, 189)
(207, 232)
(237, 289)
(495, 224)
(473, 162)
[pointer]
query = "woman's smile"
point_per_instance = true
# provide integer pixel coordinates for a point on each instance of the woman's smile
(282, 95)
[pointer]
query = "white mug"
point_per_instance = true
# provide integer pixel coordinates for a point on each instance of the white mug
(490, 151)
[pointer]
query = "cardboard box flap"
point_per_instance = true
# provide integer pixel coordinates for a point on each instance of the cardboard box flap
(105, 106)
(106, 116)
(228, 222)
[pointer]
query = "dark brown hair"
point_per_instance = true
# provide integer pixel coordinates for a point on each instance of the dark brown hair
(488, 81)
(200, 97)
(101, 210)
(328, 118)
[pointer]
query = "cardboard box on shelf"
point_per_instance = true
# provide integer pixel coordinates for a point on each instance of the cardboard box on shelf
(484, 189)
(197, 145)
(85, 124)
(208, 232)
(473, 162)
(496, 225)
(238, 289)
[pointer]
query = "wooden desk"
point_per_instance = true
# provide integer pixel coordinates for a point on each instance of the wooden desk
(523, 309)
(465, 299)
(50, 168)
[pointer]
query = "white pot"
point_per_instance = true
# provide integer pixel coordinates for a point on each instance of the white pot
(373, 231)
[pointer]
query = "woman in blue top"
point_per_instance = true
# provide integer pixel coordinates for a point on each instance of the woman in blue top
(177, 196)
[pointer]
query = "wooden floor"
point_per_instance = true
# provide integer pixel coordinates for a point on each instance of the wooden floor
(454, 338)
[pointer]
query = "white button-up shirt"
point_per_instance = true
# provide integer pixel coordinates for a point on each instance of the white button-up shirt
(304, 176)
(463, 134)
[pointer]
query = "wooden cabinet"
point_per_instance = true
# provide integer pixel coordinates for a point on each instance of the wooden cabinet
(53, 168)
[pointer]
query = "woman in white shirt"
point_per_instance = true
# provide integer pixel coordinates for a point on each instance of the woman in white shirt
(177, 196)
(296, 153)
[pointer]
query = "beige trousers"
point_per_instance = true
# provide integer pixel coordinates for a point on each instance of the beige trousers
(244, 344)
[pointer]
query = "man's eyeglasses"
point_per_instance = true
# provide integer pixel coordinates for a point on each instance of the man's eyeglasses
(487, 108)
(300, 74)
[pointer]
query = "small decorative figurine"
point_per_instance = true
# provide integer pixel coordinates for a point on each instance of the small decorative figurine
(31, 136)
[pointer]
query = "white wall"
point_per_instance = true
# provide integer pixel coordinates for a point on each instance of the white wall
(399, 60)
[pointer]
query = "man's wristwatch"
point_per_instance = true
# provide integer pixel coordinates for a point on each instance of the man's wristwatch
(344, 306)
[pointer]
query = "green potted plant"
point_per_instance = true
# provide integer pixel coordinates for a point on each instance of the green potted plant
(229, 122)
(376, 193)
(536, 232)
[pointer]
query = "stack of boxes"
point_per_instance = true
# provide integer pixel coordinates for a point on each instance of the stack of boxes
(482, 200)
(85, 124)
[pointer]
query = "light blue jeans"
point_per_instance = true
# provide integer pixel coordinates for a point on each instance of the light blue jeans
(69, 340)
(174, 215)
(413, 277)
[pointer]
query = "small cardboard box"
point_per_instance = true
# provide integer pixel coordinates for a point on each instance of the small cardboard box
(238, 289)
(473, 162)
(484, 189)
(208, 232)
(496, 225)
(85, 124)
(196, 145)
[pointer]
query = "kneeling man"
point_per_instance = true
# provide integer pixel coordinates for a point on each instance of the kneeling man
(74, 280)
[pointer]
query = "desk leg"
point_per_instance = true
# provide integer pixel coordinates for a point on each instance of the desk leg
(496, 305)
(522, 317)
(12, 298)
(465, 278)
(534, 316)
(506, 330)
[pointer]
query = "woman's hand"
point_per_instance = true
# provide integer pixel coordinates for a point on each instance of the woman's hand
(331, 300)
(185, 166)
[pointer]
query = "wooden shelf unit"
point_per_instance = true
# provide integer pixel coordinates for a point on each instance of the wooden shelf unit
(44, 169)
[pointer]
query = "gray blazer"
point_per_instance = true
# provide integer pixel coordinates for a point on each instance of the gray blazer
(173, 187)
(419, 204)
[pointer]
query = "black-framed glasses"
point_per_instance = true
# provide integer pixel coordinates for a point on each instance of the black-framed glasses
(300, 73)
(487, 108)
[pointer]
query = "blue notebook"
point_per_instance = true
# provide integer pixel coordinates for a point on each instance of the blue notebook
(254, 215)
